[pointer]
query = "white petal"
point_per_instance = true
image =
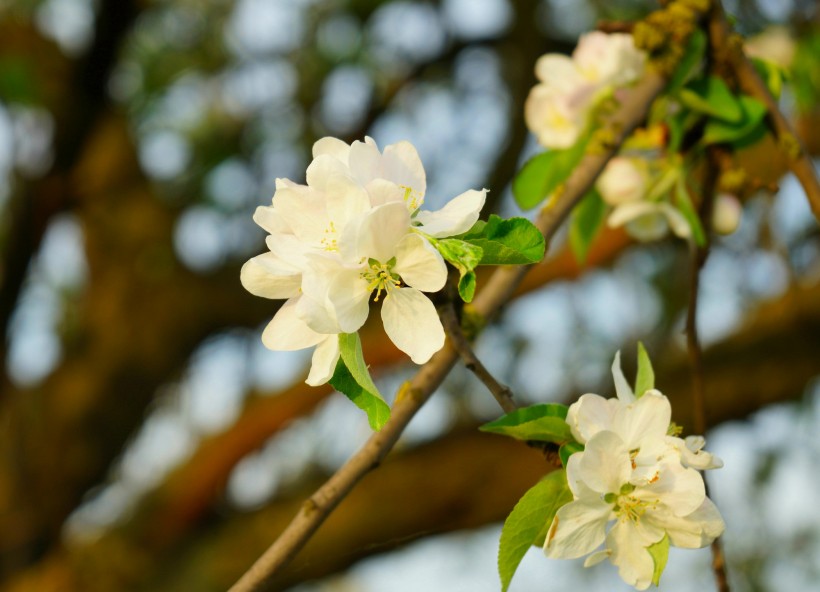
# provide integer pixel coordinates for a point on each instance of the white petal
(318, 314)
(589, 415)
(695, 530)
(268, 276)
(677, 222)
(332, 147)
(622, 388)
(645, 419)
(287, 332)
(269, 219)
(402, 166)
(324, 360)
(322, 168)
(678, 488)
(382, 192)
(456, 217)
(377, 234)
(557, 71)
(365, 161)
(350, 296)
(345, 199)
(411, 322)
(304, 212)
(605, 464)
(420, 264)
(578, 528)
(597, 557)
(635, 564)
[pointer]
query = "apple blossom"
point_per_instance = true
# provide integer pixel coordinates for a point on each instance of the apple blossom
(623, 180)
(726, 213)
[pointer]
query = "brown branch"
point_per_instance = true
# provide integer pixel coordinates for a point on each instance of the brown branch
(728, 48)
(412, 396)
(459, 342)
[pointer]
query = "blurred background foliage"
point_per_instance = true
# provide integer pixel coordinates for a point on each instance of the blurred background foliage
(147, 439)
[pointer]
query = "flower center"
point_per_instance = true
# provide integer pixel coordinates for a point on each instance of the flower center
(379, 276)
(411, 198)
(625, 505)
(329, 241)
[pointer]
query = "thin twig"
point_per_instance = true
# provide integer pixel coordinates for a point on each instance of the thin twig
(461, 344)
(728, 48)
(412, 396)
(698, 259)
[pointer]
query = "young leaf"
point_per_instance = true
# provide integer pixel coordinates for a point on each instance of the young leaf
(515, 241)
(712, 97)
(352, 379)
(684, 204)
(567, 450)
(587, 218)
(744, 132)
(543, 173)
(464, 256)
(689, 63)
(645, 379)
(660, 554)
(529, 521)
(545, 422)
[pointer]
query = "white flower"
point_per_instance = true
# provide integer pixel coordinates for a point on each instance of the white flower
(623, 180)
(609, 58)
(355, 228)
(558, 109)
(649, 220)
(726, 213)
(607, 487)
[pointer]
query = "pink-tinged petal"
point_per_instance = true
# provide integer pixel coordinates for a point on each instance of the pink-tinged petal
(605, 465)
(324, 360)
(693, 531)
(589, 415)
(622, 388)
(457, 217)
(379, 231)
(269, 277)
(419, 264)
(678, 488)
(331, 147)
(646, 419)
(288, 332)
(635, 564)
(322, 168)
(411, 322)
(578, 528)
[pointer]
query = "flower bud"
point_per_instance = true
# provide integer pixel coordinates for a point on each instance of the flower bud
(622, 181)
(726, 213)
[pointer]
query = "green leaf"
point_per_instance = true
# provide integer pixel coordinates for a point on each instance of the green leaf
(466, 286)
(568, 449)
(645, 379)
(514, 241)
(712, 97)
(352, 379)
(689, 63)
(587, 218)
(772, 74)
(660, 554)
(464, 256)
(543, 173)
(529, 522)
(545, 423)
(744, 132)
(684, 204)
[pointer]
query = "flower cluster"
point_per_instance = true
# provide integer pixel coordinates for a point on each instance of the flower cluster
(355, 230)
(558, 109)
(633, 473)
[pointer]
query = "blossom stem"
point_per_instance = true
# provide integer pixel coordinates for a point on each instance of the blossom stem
(498, 290)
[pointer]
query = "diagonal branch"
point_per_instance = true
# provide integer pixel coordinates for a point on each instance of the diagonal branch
(412, 396)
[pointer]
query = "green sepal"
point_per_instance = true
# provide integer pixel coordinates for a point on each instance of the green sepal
(567, 450)
(511, 241)
(543, 173)
(545, 422)
(645, 379)
(529, 522)
(660, 554)
(586, 220)
(352, 379)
